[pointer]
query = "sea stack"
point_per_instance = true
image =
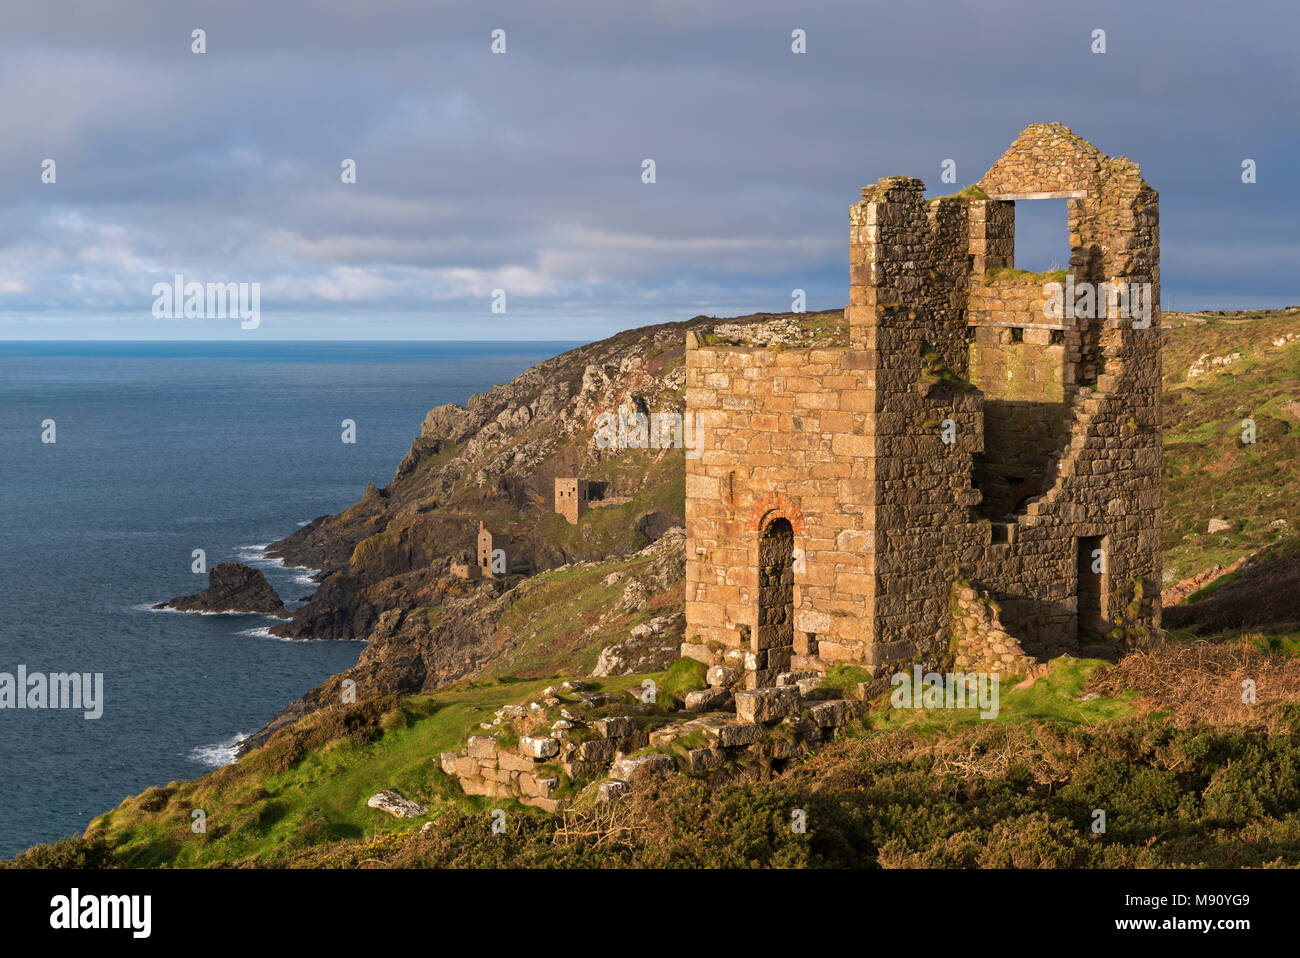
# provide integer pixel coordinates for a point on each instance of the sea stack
(232, 587)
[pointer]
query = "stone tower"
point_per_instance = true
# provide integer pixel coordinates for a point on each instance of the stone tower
(571, 498)
(484, 552)
(982, 425)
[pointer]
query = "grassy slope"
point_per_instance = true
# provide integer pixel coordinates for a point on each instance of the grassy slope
(1208, 472)
(257, 810)
(286, 799)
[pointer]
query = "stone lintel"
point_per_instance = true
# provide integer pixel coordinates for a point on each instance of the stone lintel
(1051, 195)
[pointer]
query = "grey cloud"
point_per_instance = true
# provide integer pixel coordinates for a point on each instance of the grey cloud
(476, 170)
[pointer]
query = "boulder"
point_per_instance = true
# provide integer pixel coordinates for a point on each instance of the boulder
(448, 762)
(609, 791)
(595, 750)
(732, 734)
(394, 804)
(705, 759)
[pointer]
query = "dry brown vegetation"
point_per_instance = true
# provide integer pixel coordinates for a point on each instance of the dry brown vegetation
(1201, 683)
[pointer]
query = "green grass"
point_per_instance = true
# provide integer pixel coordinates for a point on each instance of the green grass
(1010, 273)
(256, 811)
(1054, 697)
(844, 679)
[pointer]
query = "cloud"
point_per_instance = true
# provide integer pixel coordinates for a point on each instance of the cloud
(522, 172)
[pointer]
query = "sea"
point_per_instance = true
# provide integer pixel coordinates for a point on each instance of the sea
(161, 449)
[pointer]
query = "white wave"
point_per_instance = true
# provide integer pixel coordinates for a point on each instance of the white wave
(305, 522)
(255, 555)
(147, 607)
(263, 633)
(266, 634)
(218, 753)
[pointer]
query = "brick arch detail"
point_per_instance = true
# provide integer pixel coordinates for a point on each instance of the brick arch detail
(775, 505)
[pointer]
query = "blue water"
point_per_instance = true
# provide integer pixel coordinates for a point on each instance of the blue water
(163, 448)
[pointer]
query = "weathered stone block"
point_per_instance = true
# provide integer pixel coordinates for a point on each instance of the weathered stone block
(514, 763)
(596, 750)
(538, 748)
(719, 676)
(393, 803)
(465, 766)
(618, 726)
(832, 713)
(705, 759)
(545, 804)
(700, 653)
(731, 734)
(767, 705)
(708, 700)
(611, 790)
(637, 769)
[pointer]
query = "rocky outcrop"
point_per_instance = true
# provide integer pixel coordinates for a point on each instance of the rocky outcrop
(649, 647)
(232, 587)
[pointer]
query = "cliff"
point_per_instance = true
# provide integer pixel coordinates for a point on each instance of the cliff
(386, 560)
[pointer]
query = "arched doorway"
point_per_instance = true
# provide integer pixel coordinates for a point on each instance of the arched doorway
(773, 640)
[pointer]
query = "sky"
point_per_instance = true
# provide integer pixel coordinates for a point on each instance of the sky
(522, 171)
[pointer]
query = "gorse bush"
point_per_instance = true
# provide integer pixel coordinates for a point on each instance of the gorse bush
(66, 853)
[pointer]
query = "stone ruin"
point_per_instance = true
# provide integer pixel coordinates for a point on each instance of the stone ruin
(573, 741)
(571, 498)
(968, 447)
(479, 566)
(485, 553)
(971, 481)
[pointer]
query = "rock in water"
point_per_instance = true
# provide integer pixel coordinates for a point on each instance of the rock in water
(232, 587)
(389, 801)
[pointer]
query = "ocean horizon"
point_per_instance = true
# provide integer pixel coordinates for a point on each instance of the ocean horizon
(162, 447)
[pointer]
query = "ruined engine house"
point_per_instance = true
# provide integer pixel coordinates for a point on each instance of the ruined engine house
(972, 438)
